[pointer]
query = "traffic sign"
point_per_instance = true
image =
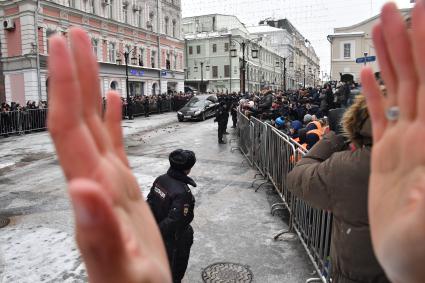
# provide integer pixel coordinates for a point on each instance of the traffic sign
(363, 60)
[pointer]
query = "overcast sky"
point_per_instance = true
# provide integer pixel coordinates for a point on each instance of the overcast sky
(315, 19)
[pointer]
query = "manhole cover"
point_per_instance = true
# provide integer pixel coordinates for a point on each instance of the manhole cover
(4, 222)
(225, 272)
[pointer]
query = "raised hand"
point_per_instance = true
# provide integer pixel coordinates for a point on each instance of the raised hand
(116, 232)
(397, 183)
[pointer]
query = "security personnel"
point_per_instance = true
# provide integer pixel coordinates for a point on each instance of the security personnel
(234, 112)
(172, 204)
(222, 117)
(146, 106)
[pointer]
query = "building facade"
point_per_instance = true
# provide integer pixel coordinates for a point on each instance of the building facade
(150, 31)
(302, 62)
(221, 55)
(350, 43)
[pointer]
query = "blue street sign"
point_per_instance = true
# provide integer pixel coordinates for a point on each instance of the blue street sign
(362, 60)
(137, 73)
(164, 73)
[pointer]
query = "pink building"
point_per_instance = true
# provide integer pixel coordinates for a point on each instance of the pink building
(148, 29)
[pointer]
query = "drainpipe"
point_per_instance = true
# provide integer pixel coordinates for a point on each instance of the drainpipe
(37, 49)
(158, 21)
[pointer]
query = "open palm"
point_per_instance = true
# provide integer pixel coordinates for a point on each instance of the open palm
(116, 232)
(397, 183)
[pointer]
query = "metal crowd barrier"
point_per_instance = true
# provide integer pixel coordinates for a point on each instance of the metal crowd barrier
(275, 154)
(20, 122)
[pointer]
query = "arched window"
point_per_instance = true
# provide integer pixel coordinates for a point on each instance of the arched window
(166, 22)
(114, 85)
(174, 28)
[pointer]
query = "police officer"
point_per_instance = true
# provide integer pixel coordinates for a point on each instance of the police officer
(172, 204)
(222, 117)
(234, 112)
(146, 106)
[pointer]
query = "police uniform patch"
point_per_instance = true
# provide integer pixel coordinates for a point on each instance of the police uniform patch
(160, 192)
(186, 209)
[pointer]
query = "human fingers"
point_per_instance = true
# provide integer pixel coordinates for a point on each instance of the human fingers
(418, 44)
(98, 232)
(74, 144)
(87, 73)
(399, 49)
(375, 103)
(113, 117)
(385, 64)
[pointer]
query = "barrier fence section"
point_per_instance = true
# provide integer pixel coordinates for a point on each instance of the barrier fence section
(23, 121)
(275, 154)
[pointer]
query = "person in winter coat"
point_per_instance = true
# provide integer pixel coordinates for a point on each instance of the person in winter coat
(332, 177)
(172, 205)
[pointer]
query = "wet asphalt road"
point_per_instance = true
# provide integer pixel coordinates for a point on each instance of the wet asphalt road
(232, 223)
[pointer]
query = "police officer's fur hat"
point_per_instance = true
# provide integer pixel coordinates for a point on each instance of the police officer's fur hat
(182, 159)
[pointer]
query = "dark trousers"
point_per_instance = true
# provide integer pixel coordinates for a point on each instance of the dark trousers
(234, 119)
(178, 251)
(221, 129)
(146, 110)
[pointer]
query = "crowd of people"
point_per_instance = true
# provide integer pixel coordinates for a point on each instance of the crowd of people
(16, 118)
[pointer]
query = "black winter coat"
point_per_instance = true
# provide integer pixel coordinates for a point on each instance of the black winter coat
(172, 203)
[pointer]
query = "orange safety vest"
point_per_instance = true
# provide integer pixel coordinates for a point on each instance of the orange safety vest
(317, 132)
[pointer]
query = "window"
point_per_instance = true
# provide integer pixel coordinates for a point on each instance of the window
(92, 7)
(347, 50)
(168, 62)
(198, 49)
(214, 48)
(49, 33)
(140, 18)
(190, 50)
(111, 14)
(71, 3)
(112, 52)
(136, 19)
(215, 72)
(153, 53)
(226, 71)
(95, 47)
(142, 57)
(174, 28)
(125, 12)
(166, 25)
(226, 47)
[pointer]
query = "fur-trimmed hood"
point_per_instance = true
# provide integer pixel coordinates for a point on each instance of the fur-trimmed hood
(356, 123)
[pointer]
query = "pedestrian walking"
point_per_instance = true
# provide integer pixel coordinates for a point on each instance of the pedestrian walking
(172, 204)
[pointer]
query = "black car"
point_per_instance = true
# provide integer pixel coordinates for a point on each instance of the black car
(198, 107)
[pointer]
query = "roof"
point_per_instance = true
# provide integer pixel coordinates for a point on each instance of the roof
(263, 29)
(342, 34)
(403, 11)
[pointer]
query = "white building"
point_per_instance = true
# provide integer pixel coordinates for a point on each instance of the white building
(216, 48)
(148, 29)
(302, 62)
(350, 43)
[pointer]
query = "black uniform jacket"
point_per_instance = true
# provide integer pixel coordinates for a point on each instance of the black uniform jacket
(172, 203)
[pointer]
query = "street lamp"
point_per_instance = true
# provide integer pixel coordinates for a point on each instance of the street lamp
(304, 77)
(254, 54)
(133, 61)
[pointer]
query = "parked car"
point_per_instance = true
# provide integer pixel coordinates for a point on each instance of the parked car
(199, 107)
(192, 90)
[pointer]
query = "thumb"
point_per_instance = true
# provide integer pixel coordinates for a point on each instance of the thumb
(98, 232)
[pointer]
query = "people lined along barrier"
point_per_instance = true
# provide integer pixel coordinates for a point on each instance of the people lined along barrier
(331, 180)
(15, 119)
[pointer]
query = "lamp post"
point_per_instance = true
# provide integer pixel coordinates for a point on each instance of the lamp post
(365, 55)
(233, 53)
(202, 77)
(304, 77)
(126, 55)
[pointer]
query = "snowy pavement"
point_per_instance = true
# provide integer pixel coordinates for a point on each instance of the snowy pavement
(232, 223)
